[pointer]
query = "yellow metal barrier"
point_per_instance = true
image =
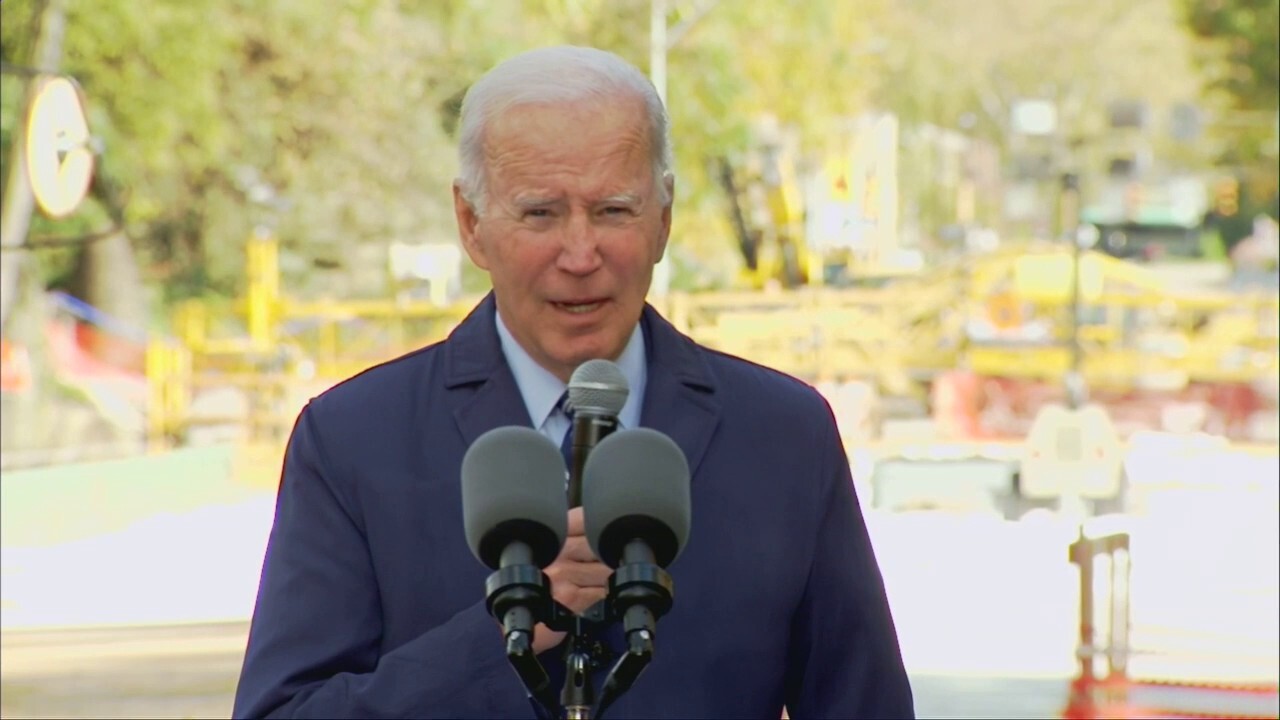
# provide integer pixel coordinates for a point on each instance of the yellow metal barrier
(168, 370)
(263, 296)
(898, 336)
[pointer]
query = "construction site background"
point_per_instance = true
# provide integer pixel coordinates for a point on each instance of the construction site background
(1039, 291)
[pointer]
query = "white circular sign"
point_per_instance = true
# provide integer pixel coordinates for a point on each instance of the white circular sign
(59, 161)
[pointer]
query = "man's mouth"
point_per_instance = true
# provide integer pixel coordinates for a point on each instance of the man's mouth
(579, 307)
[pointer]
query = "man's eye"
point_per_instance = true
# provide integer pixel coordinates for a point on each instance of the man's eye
(617, 210)
(537, 213)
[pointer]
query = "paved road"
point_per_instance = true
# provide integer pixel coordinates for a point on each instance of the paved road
(189, 671)
(139, 672)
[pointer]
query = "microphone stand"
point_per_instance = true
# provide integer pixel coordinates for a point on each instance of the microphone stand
(640, 592)
(580, 659)
(511, 594)
(519, 595)
(583, 654)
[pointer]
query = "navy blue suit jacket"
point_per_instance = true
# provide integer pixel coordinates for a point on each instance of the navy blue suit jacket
(371, 604)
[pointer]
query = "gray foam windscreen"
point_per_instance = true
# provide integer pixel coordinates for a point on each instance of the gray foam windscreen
(598, 386)
(513, 490)
(636, 485)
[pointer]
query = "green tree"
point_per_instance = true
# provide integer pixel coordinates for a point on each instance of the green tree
(1240, 56)
(1244, 36)
(963, 65)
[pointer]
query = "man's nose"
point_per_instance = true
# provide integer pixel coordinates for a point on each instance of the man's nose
(580, 251)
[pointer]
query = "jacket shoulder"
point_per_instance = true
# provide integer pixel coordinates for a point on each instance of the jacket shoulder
(743, 381)
(380, 384)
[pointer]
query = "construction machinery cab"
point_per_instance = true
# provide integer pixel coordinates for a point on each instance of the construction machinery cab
(1150, 220)
(1148, 241)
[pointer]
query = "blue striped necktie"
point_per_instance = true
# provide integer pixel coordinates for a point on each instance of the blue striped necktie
(566, 444)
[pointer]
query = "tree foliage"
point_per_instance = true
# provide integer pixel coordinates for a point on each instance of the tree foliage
(1240, 59)
(333, 121)
(954, 72)
(1245, 40)
(964, 65)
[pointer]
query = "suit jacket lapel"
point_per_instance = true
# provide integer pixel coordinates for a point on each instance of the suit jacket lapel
(484, 391)
(680, 398)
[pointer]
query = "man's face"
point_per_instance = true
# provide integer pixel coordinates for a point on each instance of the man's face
(572, 228)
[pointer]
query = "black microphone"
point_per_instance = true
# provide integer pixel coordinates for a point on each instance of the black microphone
(597, 392)
(515, 517)
(636, 506)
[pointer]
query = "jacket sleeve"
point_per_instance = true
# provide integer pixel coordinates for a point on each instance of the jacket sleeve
(314, 645)
(844, 661)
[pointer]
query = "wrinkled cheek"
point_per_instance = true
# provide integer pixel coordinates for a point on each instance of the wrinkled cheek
(523, 279)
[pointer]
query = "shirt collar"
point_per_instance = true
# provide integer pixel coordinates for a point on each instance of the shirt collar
(541, 390)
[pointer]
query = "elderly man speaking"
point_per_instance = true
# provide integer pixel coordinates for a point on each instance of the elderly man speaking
(371, 603)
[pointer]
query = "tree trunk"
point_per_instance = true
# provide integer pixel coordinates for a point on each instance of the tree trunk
(109, 280)
(107, 277)
(15, 213)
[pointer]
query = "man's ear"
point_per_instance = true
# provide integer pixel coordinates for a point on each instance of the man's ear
(669, 182)
(468, 219)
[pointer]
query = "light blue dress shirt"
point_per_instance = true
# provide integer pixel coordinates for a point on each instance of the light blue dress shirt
(541, 390)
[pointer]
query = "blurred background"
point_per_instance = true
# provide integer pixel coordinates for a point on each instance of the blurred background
(1026, 248)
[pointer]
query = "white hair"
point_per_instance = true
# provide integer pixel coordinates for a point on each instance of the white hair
(547, 75)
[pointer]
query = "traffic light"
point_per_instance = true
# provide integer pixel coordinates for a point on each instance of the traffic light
(1227, 198)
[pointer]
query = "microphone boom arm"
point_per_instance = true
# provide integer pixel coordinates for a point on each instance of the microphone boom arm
(640, 592)
(519, 595)
(626, 670)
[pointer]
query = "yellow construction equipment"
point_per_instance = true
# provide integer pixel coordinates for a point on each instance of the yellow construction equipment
(808, 220)
(1005, 314)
